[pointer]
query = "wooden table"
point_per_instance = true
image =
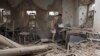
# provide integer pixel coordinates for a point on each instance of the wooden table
(25, 35)
(73, 31)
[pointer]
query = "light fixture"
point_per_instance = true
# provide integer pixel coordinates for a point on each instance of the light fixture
(52, 13)
(31, 12)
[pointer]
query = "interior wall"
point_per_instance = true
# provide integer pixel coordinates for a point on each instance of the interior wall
(76, 13)
(67, 8)
(97, 16)
(80, 13)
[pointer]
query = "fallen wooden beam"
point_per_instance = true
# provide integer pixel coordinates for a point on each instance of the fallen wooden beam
(91, 39)
(25, 50)
(8, 42)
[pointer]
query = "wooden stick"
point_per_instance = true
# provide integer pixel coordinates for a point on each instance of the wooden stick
(25, 50)
(8, 42)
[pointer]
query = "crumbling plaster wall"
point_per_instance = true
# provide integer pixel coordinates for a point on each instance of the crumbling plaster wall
(74, 14)
(80, 13)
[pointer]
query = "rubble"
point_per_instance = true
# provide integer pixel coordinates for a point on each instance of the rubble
(87, 48)
(56, 51)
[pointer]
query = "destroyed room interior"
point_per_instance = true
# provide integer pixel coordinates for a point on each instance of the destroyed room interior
(49, 28)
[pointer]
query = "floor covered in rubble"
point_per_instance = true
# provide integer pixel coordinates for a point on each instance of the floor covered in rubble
(85, 48)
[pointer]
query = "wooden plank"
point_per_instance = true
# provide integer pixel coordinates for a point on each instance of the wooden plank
(8, 42)
(25, 50)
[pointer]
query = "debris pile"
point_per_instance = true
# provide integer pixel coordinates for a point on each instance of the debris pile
(85, 49)
(55, 51)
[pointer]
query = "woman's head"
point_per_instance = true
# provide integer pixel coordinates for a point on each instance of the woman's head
(58, 16)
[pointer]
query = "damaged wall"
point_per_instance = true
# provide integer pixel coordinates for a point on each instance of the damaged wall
(74, 13)
(80, 13)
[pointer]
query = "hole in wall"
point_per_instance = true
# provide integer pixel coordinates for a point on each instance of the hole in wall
(82, 13)
(80, 18)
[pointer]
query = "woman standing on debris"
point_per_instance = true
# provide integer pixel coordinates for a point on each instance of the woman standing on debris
(55, 26)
